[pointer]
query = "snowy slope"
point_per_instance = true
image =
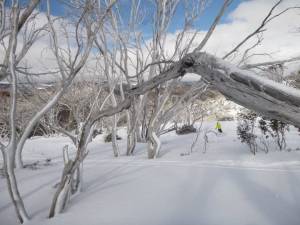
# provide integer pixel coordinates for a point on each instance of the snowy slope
(226, 185)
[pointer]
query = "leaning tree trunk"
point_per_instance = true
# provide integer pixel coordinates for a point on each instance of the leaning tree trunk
(260, 94)
(71, 178)
(68, 185)
(63, 191)
(246, 88)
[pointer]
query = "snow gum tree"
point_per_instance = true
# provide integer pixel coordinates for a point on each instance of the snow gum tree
(155, 69)
(8, 70)
(69, 66)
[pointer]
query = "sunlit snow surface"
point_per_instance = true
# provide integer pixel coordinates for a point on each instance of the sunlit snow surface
(226, 185)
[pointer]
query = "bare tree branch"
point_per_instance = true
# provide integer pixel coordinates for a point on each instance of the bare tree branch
(269, 63)
(261, 27)
(213, 26)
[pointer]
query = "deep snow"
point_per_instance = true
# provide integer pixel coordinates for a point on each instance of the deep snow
(226, 185)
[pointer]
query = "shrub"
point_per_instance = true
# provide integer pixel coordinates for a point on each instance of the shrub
(186, 129)
(276, 129)
(108, 138)
(245, 129)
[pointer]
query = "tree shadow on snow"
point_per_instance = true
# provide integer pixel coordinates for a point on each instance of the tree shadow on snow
(273, 207)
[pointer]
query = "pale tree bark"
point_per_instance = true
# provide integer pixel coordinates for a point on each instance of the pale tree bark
(9, 151)
(4, 32)
(163, 17)
(72, 168)
(121, 63)
(114, 136)
(68, 74)
(109, 72)
(270, 63)
(262, 27)
(131, 117)
(9, 68)
(164, 114)
(184, 101)
(132, 125)
(241, 86)
(213, 26)
(164, 12)
(63, 192)
(71, 179)
(244, 87)
(2, 17)
(154, 143)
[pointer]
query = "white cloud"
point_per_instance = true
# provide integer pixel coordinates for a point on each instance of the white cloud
(40, 57)
(280, 38)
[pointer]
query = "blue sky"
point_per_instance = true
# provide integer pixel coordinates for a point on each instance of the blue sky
(280, 41)
(206, 18)
(202, 23)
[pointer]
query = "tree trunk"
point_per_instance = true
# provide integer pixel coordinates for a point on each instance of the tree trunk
(138, 134)
(131, 142)
(77, 180)
(8, 159)
(71, 180)
(131, 130)
(154, 145)
(19, 160)
(144, 121)
(62, 193)
(259, 94)
(114, 137)
(31, 124)
(243, 87)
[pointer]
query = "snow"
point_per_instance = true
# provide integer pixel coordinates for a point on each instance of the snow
(294, 92)
(226, 185)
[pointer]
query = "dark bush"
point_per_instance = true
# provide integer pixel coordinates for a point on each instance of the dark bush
(226, 118)
(276, 129)
(245, 129)
(97, 132)
(109, 137)
(186, 129)
(122, 121)
(270, 128)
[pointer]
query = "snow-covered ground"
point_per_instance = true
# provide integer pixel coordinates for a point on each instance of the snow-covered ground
(226, 185)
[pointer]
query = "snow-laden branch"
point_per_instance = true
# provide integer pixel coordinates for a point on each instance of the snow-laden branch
(246, 88)
(270, 63)
(262, 27)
